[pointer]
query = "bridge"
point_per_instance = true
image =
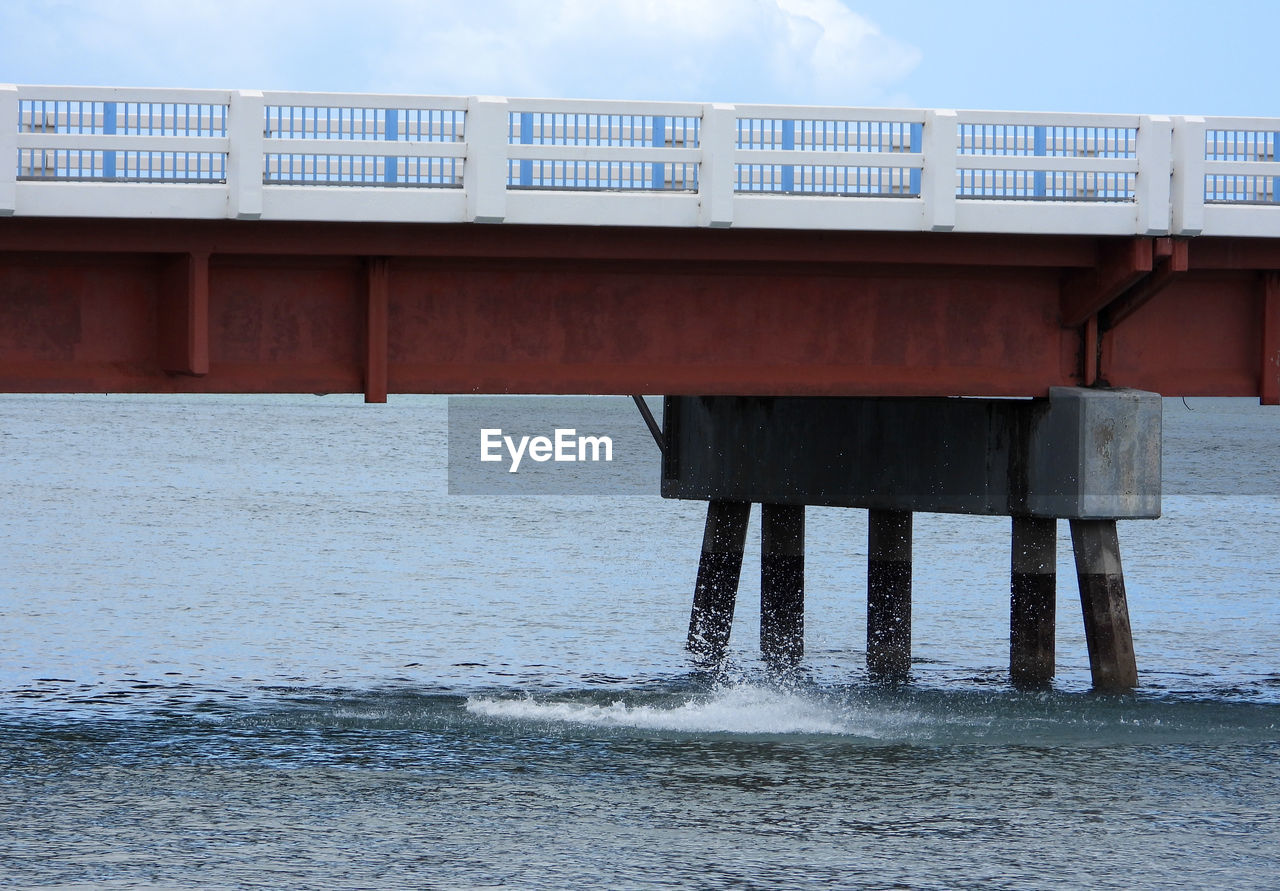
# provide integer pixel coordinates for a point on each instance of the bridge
(713, 248)
(244, 241)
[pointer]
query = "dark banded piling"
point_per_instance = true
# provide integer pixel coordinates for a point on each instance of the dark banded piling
(888, 594)
(1106, 610)
(716, 591)
(1032, 602)
(782, 585)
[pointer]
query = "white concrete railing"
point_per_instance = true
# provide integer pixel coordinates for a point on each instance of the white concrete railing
(118, 152)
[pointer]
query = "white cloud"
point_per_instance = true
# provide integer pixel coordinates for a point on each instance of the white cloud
(797, 51)
(762, 50)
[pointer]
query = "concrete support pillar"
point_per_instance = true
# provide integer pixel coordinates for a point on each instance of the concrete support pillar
(889, 594)
(782, 584)
(716, 591)
(1102, 597)
(1032, 602)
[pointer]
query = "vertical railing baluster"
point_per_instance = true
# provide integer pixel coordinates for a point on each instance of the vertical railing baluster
(526, 138)
(1040, 149)
(659, 140)
(79, 128)
(390, 133)
(109, 129)
(788, 145)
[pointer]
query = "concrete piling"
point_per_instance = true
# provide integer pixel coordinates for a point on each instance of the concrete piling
(782, 585)
(1102, 598)
(1032, 602)
(1089, 455)
(889, 594)
(716, 590)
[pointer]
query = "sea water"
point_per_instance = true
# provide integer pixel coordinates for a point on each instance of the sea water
(253, 642)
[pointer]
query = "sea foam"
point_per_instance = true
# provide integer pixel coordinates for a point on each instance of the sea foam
(742, 709)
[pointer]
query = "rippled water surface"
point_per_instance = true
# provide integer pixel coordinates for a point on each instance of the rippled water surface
(253, 642)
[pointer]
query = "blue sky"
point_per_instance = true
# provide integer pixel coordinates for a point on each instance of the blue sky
(1173, 57)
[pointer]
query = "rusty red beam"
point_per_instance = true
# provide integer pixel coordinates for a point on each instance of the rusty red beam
(570, 243)
(1245, 254)
(227, 306)
(1200, 338)
(528, 326)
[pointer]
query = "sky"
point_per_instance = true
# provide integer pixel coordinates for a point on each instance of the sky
(1131, 56)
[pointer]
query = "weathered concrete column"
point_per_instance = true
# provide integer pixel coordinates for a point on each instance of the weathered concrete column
(716, 591)
(1102, 597)
(889, 594)
(782, 584)
(1032, 601)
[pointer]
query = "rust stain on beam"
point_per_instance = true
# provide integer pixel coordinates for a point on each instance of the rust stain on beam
(1121, 264)
(182, 315)
(375, 369)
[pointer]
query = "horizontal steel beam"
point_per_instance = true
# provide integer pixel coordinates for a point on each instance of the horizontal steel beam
(223, 306)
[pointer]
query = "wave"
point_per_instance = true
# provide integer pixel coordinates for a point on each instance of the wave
(739, 709)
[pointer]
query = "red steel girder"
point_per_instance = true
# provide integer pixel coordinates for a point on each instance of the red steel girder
(239, 306)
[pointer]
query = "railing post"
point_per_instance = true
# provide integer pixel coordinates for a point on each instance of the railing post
(718, 165)
(246, 162)
(1188, 175)
(8, 149)
(938, 178)
(1155, 163)
(916, 146)
(485, 175)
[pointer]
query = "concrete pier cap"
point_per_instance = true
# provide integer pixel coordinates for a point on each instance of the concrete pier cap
(1077, 454)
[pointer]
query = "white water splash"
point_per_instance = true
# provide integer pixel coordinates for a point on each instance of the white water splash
(744, 708)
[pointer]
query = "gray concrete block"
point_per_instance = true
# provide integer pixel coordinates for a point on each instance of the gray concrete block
(1086, 454)
(1095, 454)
